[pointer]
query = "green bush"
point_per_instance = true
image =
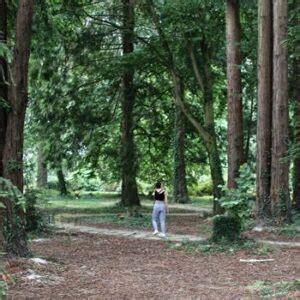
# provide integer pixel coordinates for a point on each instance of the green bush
(202, 188)
(226, 228)
(240, 202)
(53, 185)
(36, 220)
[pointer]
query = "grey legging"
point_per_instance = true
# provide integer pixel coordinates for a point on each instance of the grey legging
(159, 212)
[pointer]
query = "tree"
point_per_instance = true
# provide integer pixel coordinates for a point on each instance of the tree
(180, 193)
(61, 181)
(128, 157)
(3, 102)
(42, 174)
(264, 109)
(296, 190)
(234, 90)
(280, 205)
(204, 79)
(13, 149)
(295, 89)
(207, 132)
(3, 79)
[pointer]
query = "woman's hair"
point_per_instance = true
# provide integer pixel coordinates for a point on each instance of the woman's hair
(158, 185)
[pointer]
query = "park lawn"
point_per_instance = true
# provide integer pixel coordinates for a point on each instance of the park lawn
(176, 224)
(101, 202)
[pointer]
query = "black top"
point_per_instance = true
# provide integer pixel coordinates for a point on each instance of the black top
(159, 195)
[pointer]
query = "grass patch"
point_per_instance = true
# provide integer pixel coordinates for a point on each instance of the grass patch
(275, 289)
(100, 208)
(262, 250)
(201, 201)
(293, 229)
(207, 247)
(126, 221)
(95, 203)
(212, 248)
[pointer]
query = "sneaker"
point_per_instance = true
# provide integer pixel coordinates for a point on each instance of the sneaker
(155, 232)
(162, 235)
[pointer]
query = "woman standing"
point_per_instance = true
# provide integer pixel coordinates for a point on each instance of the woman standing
(160, 209)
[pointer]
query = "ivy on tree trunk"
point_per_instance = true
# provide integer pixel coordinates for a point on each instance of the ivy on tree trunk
(129, 195)
(14, 136)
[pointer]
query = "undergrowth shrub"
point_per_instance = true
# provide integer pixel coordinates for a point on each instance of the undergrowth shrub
(36, 220)
(202, 188)
(226, 228)
(239, 205)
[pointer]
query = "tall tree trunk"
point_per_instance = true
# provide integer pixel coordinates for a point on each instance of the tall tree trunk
(3, 80)
(296, 192)
(210, 126)
(62, 186)
(180, 193)
(280, 166)
(13, 149)
(264, 110)
(128, 156)
(42, 174)
(208, 132)
(3, 100)
(216, 174)
(235, 110)
(249, 126)
(296, 94)
(212, 148)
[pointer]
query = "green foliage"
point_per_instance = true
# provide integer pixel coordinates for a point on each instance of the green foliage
(84, 179)
(8, 190)
(121, 219)
(3, 284)
(13, 222)
(3, 289)
(240, 202)
(226, 228)
(292, 229)
(202, 188)
(212, 248)
(268, 288)
(6, 52)
(36, 220)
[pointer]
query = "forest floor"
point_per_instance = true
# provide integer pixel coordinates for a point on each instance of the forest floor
(81, 264)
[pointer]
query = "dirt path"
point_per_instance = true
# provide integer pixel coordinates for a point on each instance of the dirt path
(137, 234)
(203, 210)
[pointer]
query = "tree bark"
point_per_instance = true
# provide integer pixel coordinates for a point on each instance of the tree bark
(296, 193)
(13, 149)
(235, 110)
(61, 181)
(280, 205)
(3, 80)
(42, 174)
(264, 110)
(211, 143)
(3, 99)
(128, 156)
(180, 193)
(296, 94)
